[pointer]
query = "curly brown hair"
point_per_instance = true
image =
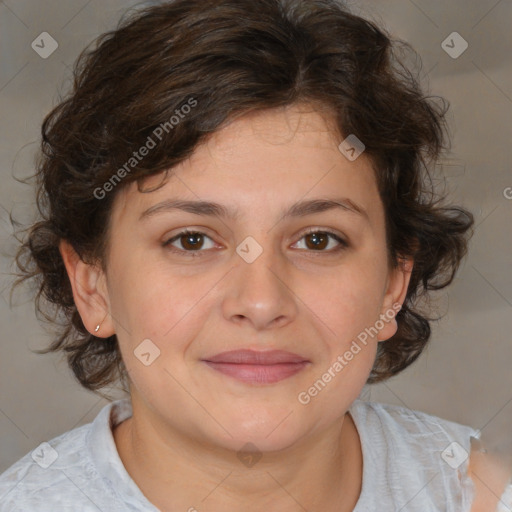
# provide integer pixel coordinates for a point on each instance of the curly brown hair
(234, 57)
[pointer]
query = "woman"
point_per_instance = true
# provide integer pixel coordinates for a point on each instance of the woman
(237, 224)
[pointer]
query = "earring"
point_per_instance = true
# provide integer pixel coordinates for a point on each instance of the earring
(97, 328)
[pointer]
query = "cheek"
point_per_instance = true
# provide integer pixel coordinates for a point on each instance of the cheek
(137, 297)
(153, 300)
(348, 299)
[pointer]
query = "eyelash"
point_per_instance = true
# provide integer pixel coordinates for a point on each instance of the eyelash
(194, 254)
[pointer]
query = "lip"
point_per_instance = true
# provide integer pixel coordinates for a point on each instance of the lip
(257, 367)
(257, 357)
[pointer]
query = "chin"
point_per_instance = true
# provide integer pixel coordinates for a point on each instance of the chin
(274, 434)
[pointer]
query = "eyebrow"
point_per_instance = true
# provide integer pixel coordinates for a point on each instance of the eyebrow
(212, 209)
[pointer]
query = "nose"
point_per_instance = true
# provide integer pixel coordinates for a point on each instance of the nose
(260, 293)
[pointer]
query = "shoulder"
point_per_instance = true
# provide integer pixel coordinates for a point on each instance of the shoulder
(73, 471)
(49, 474)
(414, 424)
(420, 453)
(490, 476)
(444, 445)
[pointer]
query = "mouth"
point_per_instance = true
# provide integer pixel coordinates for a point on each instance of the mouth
(256, 367)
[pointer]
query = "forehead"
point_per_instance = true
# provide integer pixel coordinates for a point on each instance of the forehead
(294, 124)
(262, 160)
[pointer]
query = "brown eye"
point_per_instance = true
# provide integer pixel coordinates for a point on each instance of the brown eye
(190, 241)
(319, 241)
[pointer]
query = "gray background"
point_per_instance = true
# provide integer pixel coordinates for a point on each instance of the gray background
(465, 374)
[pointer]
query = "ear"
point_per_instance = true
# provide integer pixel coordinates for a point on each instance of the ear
(88, 283)
(396, 291)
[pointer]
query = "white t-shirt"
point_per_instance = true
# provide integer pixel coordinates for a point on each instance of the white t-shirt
(412, 462)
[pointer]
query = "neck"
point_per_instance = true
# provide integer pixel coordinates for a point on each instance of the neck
(175, 472)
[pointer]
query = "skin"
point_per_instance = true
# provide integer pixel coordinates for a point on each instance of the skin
(189, 421)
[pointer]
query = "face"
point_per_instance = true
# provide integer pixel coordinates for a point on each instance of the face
(271, 274)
